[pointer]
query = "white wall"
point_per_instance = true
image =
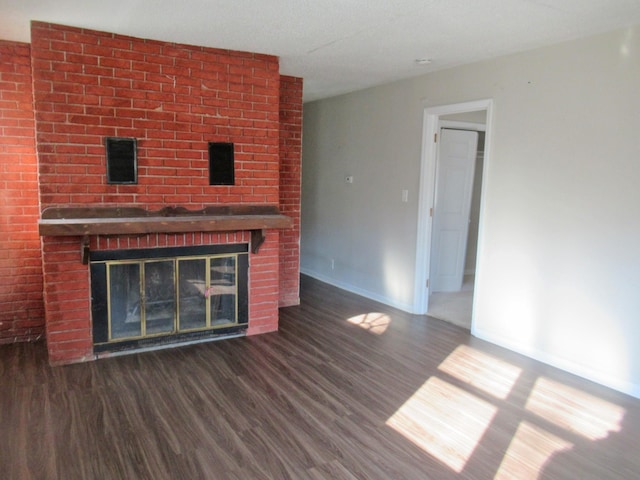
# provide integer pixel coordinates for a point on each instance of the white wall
(364, 227)
(559, 254)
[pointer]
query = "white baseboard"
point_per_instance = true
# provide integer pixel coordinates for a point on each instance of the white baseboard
(357, 290)
(620, 385)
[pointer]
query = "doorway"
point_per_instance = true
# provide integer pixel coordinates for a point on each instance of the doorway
(455, 304)
(455, 219)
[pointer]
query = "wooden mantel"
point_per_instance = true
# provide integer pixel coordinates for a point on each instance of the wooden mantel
(82, 222)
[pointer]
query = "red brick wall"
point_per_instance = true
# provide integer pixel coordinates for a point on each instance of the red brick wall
(21, 305)
(290, 185)
(174, 99)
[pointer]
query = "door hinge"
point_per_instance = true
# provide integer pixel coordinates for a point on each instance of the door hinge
(435, 138)
(431, 212)
(427, 283)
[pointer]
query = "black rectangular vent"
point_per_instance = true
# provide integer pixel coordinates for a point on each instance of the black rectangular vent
(221, 168)
(121, 160)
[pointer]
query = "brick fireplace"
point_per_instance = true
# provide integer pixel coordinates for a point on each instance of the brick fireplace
(173, 100)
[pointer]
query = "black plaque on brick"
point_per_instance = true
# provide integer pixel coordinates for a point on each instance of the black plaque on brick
(121, 160)
(221, 168)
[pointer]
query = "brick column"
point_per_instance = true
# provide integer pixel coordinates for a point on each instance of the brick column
(21, 304)
(173, 99)
(290, 187)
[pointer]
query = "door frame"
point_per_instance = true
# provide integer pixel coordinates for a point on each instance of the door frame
(426, 194)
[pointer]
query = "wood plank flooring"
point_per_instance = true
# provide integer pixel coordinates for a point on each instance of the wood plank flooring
(347, 389)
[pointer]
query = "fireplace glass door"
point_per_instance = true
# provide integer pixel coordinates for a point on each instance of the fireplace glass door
(207, 292)
(159, 297)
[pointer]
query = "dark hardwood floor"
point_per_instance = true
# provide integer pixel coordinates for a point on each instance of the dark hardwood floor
(347, 389)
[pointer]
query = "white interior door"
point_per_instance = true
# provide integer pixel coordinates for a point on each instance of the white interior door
(457, 150)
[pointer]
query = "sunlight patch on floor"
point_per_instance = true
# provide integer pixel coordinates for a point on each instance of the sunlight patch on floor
(574, 410)
(448, 421)
(482, 371)
(444, 421)
(528, 452)
(568, 408)
(373, 322)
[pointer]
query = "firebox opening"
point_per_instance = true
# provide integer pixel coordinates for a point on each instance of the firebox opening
(148, 297)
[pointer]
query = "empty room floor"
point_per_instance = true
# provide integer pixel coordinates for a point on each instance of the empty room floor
(347, 389)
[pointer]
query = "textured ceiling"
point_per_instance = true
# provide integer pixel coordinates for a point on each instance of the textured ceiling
(338, 46)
